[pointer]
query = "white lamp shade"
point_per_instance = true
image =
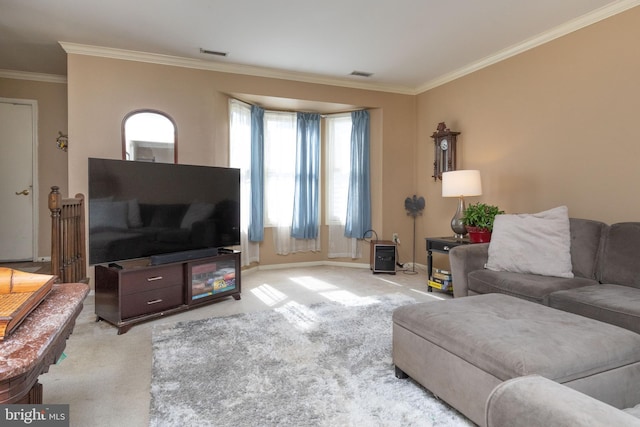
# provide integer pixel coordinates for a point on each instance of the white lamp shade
(461, 183)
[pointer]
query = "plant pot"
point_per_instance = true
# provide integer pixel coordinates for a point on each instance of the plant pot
(479, 235)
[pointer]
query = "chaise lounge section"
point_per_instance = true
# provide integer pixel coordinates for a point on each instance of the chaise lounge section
(462, 349)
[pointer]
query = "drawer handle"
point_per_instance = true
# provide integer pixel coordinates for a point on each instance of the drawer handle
(155, 301)
(446, 248)
(153, 279)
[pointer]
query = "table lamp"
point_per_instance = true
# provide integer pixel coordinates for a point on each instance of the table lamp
(461, 184)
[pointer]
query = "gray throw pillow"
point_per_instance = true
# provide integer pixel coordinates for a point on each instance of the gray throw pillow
(537, 243)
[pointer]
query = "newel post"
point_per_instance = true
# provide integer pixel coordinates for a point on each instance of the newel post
(55, 206)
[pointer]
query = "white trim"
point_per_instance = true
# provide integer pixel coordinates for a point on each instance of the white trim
(38, 77)
(254, 269)
(154, 58)
(36, 187)
(562, 30)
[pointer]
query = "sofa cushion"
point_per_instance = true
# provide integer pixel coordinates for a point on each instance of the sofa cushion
(532, 243)
(167, 215)
(532, 287)
(585, 243)
(615, 304)
(619, 262)
(172, 235)
(108, 214)
(508, 337)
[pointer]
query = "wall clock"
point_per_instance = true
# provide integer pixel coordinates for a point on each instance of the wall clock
(444, 150)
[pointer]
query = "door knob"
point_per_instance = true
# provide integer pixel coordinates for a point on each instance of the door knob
(24, 192)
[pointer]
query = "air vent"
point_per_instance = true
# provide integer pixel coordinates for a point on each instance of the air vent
(361, 74)
(213, 52)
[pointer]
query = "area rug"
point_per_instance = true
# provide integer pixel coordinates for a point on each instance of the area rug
(327, 364)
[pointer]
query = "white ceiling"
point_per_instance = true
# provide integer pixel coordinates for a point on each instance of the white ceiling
(408, 45)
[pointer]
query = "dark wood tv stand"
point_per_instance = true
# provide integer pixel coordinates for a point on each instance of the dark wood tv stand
(136, 292)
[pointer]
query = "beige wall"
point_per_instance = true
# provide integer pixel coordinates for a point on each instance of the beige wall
(102, 91)
(557, 125)
(52, 162)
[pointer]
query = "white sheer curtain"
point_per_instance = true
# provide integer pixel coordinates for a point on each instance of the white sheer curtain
(279, 170)
(240, 157)
(338, 169)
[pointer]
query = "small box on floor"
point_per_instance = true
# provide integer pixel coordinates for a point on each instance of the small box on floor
(383, 256)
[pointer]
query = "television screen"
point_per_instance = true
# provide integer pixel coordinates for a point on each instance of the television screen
(139, 209)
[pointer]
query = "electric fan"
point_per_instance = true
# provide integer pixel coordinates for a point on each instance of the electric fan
(414, 206)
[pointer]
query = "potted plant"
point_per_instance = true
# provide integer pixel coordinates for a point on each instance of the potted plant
(478, 220)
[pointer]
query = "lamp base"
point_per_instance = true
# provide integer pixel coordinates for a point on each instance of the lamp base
(457, 225)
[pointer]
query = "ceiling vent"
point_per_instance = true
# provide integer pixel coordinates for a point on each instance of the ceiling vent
(213, 52)
(361, 74)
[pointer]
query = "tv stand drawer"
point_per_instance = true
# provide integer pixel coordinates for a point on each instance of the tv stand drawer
(152, 301)
(134, 281)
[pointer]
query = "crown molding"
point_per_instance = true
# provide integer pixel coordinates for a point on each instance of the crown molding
(154, 58)
(562, 30)
(38, 77)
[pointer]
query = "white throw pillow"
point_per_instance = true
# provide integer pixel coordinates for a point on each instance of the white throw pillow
(198, 211)
(532, 243)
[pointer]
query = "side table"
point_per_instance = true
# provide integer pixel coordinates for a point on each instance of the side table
(441, 245)
(37, 343)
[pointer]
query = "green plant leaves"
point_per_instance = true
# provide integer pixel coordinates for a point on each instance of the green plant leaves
(481, 215)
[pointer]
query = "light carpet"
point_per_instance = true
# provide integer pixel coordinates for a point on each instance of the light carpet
(327, 364)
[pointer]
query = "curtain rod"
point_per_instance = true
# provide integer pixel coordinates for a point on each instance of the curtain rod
(322, 115)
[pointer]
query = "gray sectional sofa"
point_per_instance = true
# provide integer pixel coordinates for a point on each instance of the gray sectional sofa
(557, 346)
(606, 269)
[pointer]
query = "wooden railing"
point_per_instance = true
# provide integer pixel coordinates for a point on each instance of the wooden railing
(68, 247)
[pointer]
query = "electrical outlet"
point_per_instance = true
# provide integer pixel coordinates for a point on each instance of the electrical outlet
(396, 239)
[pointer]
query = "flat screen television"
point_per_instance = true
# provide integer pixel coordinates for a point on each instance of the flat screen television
(140, 209)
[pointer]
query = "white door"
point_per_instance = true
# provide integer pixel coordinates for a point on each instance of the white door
(17, 192)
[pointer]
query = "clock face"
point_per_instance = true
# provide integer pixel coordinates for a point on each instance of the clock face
(444, 145)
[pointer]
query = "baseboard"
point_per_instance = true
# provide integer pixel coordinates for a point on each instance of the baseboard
(407, 265)
(307, 264)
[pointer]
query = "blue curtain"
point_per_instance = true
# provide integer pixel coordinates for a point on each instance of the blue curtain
(359, 198)
(256, 219)
(307, 186)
